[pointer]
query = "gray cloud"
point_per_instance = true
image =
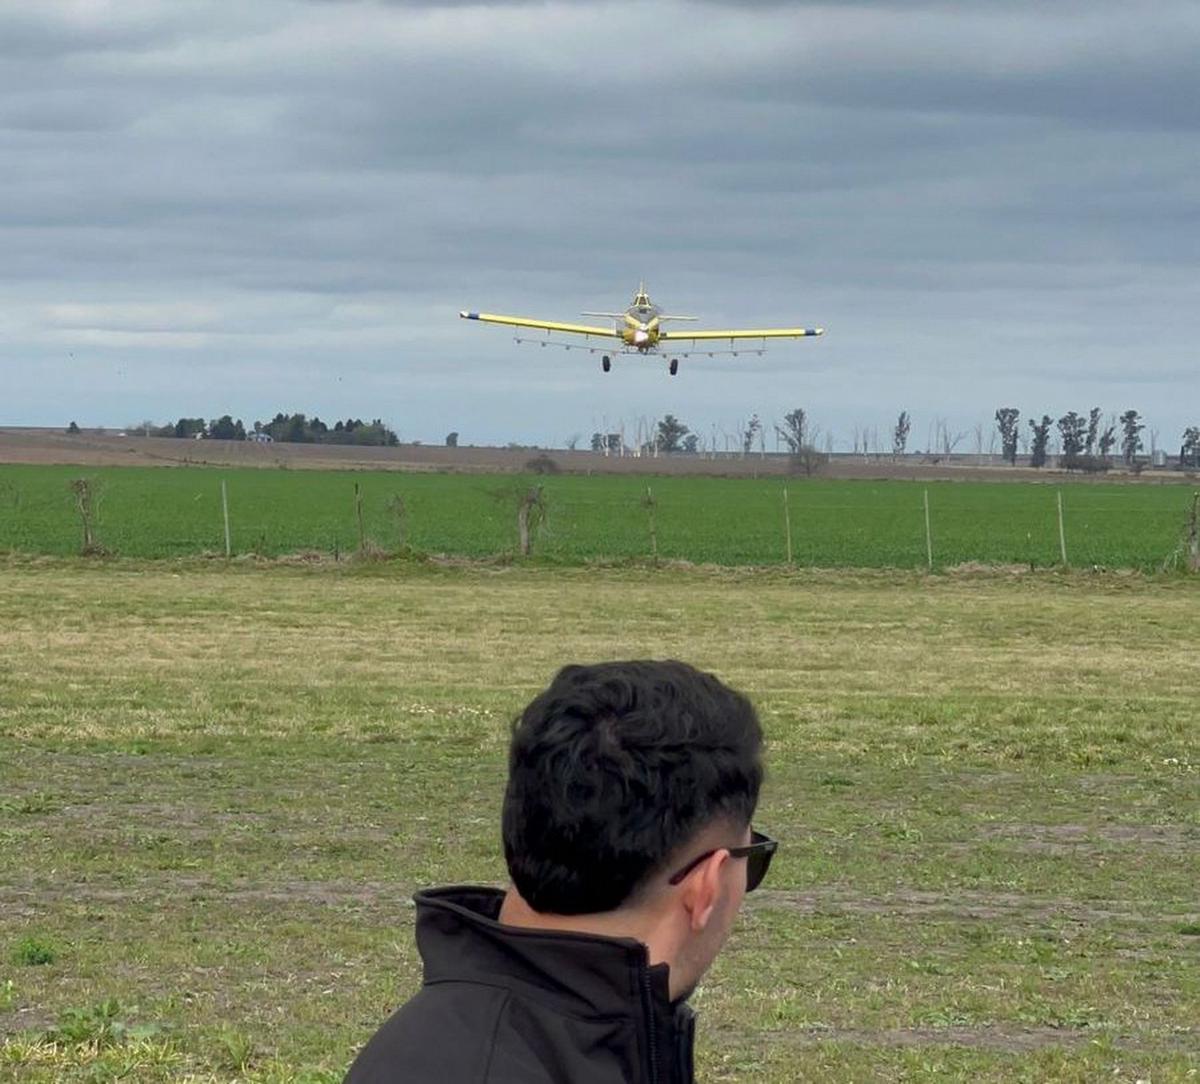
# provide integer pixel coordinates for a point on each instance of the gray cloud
(234, 205)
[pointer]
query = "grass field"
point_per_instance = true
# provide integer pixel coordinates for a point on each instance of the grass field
(220, 785)
(159, 512)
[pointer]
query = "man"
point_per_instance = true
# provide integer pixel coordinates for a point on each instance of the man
(627, 833)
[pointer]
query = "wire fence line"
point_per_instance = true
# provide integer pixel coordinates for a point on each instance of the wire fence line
(735, 522)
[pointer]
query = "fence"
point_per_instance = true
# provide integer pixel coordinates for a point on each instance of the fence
(807, 522)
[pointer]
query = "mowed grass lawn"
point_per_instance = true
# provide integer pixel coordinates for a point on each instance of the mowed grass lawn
(219, 787)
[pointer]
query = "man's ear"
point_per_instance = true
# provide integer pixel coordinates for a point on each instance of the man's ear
(702, 889)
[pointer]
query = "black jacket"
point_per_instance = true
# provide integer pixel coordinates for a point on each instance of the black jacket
(502, 1005)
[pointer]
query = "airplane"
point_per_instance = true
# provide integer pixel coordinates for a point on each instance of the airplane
(639, 331)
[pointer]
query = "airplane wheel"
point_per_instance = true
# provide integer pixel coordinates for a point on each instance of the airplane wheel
(606, 363)
(674, 366)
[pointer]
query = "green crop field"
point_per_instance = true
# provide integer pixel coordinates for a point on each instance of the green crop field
(147, 512)
(220, 784)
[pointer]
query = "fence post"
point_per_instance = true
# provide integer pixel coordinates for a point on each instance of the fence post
(650, 504)
(358, 511)
(787, 524)
(928, 535)
(530, 509)
(225, 514)
(1194, 535)
(85, 504)
(1062, 534)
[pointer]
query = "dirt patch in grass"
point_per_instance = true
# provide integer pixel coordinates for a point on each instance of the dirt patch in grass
(990, 1037)
(967, 904)
(1015, 907)
(25, 898)
(1163, 835)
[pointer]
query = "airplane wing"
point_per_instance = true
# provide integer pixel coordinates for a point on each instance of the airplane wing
(546, 325)
(744, 333)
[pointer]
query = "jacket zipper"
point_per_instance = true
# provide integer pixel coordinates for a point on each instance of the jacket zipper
(648, 1009)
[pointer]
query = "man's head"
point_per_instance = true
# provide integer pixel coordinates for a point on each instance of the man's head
(620, 776)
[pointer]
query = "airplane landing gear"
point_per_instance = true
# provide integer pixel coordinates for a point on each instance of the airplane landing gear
(674, 366)
(606, 363)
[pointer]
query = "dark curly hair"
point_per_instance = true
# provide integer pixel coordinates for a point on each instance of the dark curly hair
(612, 769)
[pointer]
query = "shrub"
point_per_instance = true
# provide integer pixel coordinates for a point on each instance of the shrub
(1089, 464)
(807, 461)
(34, 952)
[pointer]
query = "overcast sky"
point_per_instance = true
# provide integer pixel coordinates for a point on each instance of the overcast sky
(211, 207)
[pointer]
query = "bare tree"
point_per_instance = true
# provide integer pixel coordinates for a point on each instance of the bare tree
(900, 434)
(752, 428)
(946, 442)
(650, 503)
(531, 514)
(399, 513)
(794, 432)
(1193, 535)
(1093, 431)
(801, 436)
(85, 504)
(1108, 438)
(809, 459)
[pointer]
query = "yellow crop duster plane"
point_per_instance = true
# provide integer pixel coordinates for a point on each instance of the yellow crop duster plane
(639, 330)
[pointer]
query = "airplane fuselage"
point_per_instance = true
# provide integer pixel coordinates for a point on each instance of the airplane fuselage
(641, 327)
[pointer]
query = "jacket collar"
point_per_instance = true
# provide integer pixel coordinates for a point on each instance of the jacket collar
(460, 939)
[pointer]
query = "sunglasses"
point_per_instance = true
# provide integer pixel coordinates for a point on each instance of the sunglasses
(758, 854)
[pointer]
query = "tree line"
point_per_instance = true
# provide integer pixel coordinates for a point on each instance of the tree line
(1084, 442)
(671, 436)
(283, 428)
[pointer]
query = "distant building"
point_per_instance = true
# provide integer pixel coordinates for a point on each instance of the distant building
(260, 438)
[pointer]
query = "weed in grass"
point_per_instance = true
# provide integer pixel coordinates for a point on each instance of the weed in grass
(100, 1026)
(30, 804)
(42, 1061)
(233, 1050)
(8, 995)
(34, 952)
(1189, 929)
